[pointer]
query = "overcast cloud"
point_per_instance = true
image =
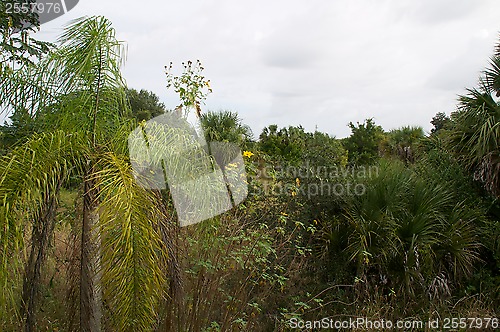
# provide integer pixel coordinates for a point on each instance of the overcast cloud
(314, 63)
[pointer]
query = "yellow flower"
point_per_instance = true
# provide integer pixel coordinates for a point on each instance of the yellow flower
(247, 154)
(294, 193)
(297, 182)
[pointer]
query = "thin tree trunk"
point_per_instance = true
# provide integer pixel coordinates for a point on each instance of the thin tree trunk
(41, 235)
(169, 231)
(90, 290)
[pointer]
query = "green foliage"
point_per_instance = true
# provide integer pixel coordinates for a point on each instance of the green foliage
(439, 121)
(22, 126)
(364, 142)
(25, 178)
(403, 142)
(420, 239)
(144, 104)
(474, 131)
(324, 150)
(16, 44)
(411, 231)
(287, 143)
(132, 250)
(79, 90)
(225, 126)
(293, 145)
(192, 87)
(405, 136)
(471, 136)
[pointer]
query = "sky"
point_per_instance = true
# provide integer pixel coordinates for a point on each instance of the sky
(316, 63)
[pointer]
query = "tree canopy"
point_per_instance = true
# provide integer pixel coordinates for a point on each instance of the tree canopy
(17, 45)
(144, 104)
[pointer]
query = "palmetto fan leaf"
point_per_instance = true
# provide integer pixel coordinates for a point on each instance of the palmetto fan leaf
(225, 126)
(410, 229)
(459, 242)
(492, 74)
(475, 131)
(475, 136)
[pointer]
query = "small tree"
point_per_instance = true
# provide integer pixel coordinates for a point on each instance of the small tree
(403, 142)
(363, 144)
(288, 144)
(439, 121)
(144, 104)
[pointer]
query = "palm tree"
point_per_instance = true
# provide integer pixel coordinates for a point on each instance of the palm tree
(79, 90)
(474, 133)
(225, 126)
(403, 141)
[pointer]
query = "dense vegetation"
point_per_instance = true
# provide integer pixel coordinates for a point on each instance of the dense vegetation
(382, 224)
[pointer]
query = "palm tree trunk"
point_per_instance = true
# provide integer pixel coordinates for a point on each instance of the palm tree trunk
(41, 235)
(169, 231)
(90, 291)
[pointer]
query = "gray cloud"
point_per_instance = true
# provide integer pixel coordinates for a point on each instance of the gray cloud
(313, 62)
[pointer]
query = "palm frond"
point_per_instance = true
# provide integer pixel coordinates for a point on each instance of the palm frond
(132, 250)
(27, 175)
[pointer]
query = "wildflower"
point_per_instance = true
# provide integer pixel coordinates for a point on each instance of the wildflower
(247, 154)
(297, 182)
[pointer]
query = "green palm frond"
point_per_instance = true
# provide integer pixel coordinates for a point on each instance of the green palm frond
(79, 83)
(28, 174)
(492, 75)
(32, 167)
(225, 126)
(77, 93)
(459, 245)
(90, 55)
(474, 133)
(88, 65)
(410, 229)
(30, 87)
(132, 250)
